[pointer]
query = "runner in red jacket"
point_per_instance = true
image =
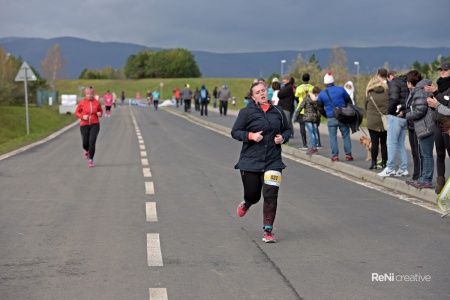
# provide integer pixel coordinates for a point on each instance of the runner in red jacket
(89, 111)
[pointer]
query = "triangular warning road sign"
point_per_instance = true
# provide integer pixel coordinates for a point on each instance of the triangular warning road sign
(25, 71)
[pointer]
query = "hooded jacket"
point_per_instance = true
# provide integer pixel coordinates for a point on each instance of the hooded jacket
(264, 155)
(90, 108)
(419, 111)
(286, 98)
(379, 94)
(398, 93)
(309, 108)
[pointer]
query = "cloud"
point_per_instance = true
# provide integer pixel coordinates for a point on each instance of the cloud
(233, 25)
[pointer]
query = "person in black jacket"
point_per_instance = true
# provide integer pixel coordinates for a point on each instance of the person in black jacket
(441, 140)
(262, 128)
(286, 98)
(396, 133)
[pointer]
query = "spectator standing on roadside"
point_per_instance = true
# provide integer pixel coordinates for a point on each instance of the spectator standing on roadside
(300, 93)
(186, 96)
(340, 98)
(262, 128)
(89, 111)
(421, 114)
(196, 99)
(122, 98)
(441, 140)
(215, 97)
(155, 96)
(204, 100)
(376, 103)
(286, 96)
(348, 86)
(177, 95)
(310, 117)
(114, 99)
(396, 133)
(276, 89)
(223, 95)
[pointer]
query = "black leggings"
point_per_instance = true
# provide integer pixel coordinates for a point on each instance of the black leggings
(441, 142)
(303, 130)
(89, 135)
(415, 152)
(253, 185)
(378, 138)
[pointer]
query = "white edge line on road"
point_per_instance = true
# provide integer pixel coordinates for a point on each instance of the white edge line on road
(149, 188)
(158, 294)
(154, 256)
(147, 172)
(150, 209)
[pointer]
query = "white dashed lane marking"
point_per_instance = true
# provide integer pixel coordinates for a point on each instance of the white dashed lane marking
(144, 162)
(149, 188)
(147, 172)
(150, 210)
(154, 256)
(158, 294)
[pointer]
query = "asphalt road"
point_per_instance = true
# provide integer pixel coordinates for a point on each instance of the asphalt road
(71, 232)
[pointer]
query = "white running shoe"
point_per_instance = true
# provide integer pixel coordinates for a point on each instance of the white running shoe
(387, 172)
(401, 173)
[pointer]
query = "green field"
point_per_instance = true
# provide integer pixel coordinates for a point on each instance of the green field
(45, 120)
(237, 86)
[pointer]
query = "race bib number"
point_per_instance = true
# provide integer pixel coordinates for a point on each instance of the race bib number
(272, 178)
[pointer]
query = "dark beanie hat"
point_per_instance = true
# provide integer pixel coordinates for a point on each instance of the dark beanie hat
(305, 77)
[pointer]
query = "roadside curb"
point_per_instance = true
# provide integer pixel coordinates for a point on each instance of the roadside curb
(388, 182)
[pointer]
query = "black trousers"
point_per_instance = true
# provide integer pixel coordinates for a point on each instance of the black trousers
(187, 105)
(89, 135)
(415, 152)
(378, 138)
(204, 108)
(303, 130)
(253, 186)
(223, 106)
(441, 141)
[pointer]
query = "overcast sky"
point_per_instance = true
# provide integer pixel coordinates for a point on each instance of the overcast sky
(228, 26)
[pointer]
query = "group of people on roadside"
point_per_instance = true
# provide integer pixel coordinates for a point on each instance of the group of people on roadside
(202, 98)
(416, 106)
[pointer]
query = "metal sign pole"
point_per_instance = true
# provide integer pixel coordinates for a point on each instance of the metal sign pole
(26, 102)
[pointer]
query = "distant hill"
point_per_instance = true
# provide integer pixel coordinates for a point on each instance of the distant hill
(83, 54)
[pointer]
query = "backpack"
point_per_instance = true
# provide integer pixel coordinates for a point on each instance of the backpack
(203, 96)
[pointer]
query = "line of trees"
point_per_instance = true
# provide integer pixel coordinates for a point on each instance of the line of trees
(173, 63)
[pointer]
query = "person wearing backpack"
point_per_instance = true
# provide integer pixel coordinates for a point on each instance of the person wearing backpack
(204, 100)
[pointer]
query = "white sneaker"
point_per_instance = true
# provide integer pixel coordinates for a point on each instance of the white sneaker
(401, 173)
(387, 172)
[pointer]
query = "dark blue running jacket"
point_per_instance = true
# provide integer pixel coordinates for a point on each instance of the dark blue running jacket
(265, 155)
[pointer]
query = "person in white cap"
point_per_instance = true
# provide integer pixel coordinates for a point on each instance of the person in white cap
(337, 96)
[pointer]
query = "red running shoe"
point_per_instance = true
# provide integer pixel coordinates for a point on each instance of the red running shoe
(268, 237)
(90, 163)
(335, 158)
(86, 154)
(242, 209)
(348, 157)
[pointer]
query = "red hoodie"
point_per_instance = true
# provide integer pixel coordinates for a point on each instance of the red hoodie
(90, 108)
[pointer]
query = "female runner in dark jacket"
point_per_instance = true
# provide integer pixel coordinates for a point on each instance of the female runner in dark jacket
(262, 127)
